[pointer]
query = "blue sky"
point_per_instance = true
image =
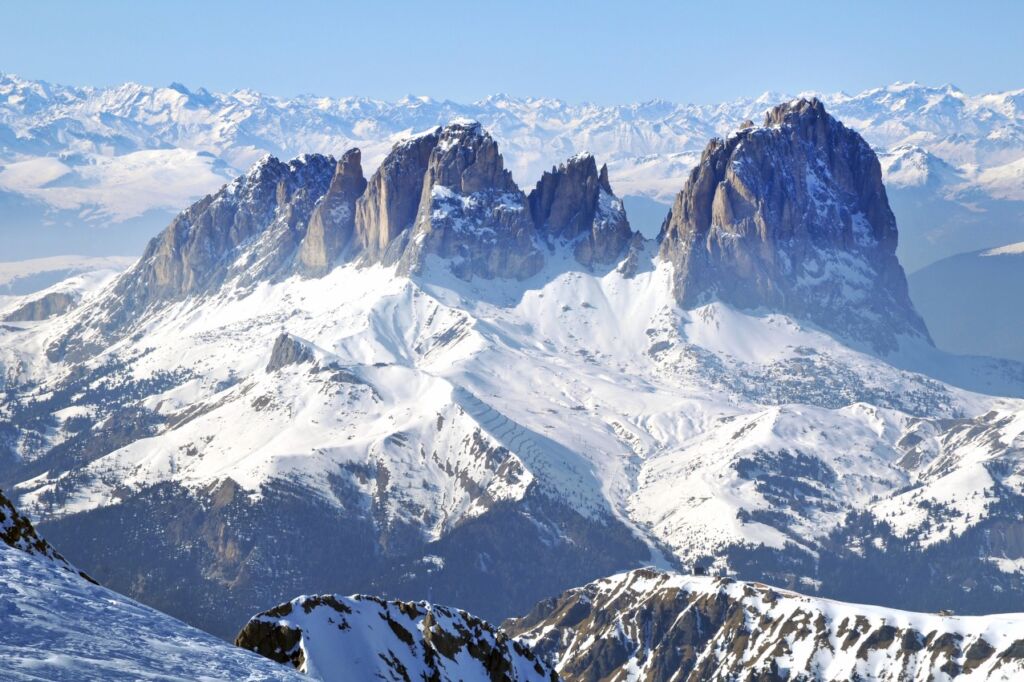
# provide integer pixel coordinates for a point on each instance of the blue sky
(601, 52)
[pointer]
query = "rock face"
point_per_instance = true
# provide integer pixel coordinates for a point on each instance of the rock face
(247, 231)
(45, 307)
(792, 216)
(392, 199)
(340, 638)
(649, 626)
(288, 350)
(443, 194)
(331, 232)
(574, 204)
(471, 212)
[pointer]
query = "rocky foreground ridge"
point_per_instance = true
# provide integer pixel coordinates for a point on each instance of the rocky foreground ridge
(652, 626)
(335, 638)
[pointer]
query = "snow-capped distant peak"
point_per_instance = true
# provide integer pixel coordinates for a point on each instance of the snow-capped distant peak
(1008, 250)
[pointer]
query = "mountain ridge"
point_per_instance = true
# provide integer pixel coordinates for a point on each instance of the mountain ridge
(469, 422)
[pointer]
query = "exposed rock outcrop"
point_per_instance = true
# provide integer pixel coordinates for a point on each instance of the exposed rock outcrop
(18, 532)
(471, 212)
(792, 216)
(44, 307)
(289, 350)
(249, 230)
(362, 638)
(389, 206)
(442, 196)
(331, 232)
(574, 204)
(649, 626)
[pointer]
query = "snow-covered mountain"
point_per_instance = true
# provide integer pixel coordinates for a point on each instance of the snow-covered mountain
(432, 383)
(337, 638)
(128, 157)
(652, 625)
(59, 625)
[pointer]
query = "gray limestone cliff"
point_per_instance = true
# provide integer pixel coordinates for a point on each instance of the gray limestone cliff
(47, 306)
(574, 204)
(792, 216)
(330, 235)
(389, 206)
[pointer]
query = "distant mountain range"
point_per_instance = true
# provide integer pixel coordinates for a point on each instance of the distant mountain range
(128, 157)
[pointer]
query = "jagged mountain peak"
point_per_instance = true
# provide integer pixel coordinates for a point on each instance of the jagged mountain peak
(792, 216)
(574, 203)
(466, 160)
(331, 233)
(788, 112)
(334, 637)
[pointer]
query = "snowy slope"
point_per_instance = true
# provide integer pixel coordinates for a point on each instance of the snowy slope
(335, 638)
(652, 625)
(57, 625)
(432, 404)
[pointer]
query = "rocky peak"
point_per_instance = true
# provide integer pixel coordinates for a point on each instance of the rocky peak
(289, 350)
(471, 213)
(248, 229)
(360, 638)
(574, 203)
(466, 160)
(331, 229)
(792, 216)
(389, 205)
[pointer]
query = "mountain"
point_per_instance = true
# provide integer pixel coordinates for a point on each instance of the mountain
(331, 637)
(127, 157)
(793, 217)
(653, 625)
(19, 278)
(981, 314)
(462, 384)
(60, 625)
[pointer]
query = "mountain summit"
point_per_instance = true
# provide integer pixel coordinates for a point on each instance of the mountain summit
(792, 216)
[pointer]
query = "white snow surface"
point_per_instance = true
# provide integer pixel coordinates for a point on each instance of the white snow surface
(595, 389)
(58, 627)
(1008, 250)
